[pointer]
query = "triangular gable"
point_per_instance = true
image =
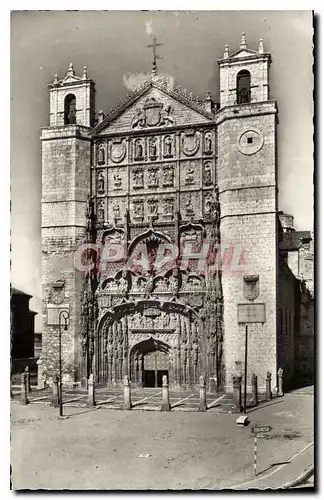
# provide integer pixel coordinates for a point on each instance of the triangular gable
(151, 107)
(243, 53)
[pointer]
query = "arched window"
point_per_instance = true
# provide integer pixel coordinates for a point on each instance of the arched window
(70, 110)
(243, 87)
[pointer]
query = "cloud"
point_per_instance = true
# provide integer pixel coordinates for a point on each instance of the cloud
(132, 81)
(148, 27)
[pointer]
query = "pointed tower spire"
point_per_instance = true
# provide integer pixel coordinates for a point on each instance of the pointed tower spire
(243, 44)
(85, 73)
(226, 52)
(70, 71)
(260, 48)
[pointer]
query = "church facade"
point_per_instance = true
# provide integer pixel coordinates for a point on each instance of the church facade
(141, 210)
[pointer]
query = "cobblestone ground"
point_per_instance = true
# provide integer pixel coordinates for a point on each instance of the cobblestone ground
(136, 450)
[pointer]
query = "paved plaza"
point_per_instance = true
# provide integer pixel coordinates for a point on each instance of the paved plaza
(133, 450)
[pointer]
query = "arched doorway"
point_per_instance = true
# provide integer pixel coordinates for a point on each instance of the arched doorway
(149, 361)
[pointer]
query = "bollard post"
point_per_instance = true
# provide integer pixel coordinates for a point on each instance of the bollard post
(165, 394)
(91, 391)
(55, 398)
(28, 378)
(202, 393)
(254, 383)
(237, 392)
(127, 394)
(268, 386)
(24, 389)
(280, 382)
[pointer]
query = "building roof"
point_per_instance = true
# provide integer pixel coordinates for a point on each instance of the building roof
(15, 291)
(293, 240)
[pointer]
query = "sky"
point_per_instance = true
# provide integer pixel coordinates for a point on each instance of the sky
(113, 46)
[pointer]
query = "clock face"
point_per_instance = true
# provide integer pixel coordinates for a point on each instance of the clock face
(250, 142)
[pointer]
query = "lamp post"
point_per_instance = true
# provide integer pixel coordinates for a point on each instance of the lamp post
(65, 314)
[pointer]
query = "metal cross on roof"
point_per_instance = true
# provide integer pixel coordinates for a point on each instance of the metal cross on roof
(153, 45)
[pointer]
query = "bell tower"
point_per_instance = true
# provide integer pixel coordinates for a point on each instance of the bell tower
(247, 180)
(66, 163)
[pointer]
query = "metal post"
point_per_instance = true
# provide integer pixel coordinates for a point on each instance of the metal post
(91, 391)
(65, 315)
(127, 394)
(255, 453)
(28, 378)
(254, 382)
(268, 386)
(280, 382)
(202, 393)
(165, 394)
(56, 398)
(245, 365)
(60, 368)
(24, 390)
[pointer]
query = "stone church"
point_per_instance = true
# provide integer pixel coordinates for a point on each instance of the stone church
(164, 175)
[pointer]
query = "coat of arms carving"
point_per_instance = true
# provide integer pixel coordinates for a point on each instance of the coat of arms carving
(251, 287)
(190, 142)
(153, 114)
(117, 150)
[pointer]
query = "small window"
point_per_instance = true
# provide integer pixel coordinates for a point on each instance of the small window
(250, 140)
(70, 110)
(243, 87)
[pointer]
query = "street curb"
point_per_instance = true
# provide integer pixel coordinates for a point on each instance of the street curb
(299, 479)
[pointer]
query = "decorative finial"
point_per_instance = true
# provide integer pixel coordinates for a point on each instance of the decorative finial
(208, 102)
(226, 52)
(153, 46)
(71, 71)
(85, 73)
(243, 44)
(261, 48)
(55, 79)
(101, 116)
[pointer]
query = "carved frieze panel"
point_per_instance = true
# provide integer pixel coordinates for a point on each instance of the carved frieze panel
(101, 153)
(153, 207)
(138, 151)
(117, 180)
(190, 174)
(101, 211)
(190, 205)
(101, 188)
(208, 204)
(168, 148)
(208, 145)
(113, 236)
(138, 209)
(116, 209)
(208, 172)
(168, 175)
(153, 148)
(191, 233)
(137, 178)
(168, 204)
(152, 177)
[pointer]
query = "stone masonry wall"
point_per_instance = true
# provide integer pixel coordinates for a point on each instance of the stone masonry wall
(287, 289)
(248, 198)
(65, 185)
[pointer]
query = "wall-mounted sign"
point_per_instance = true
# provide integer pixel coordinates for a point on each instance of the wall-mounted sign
(53, 314)
(251, 313)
